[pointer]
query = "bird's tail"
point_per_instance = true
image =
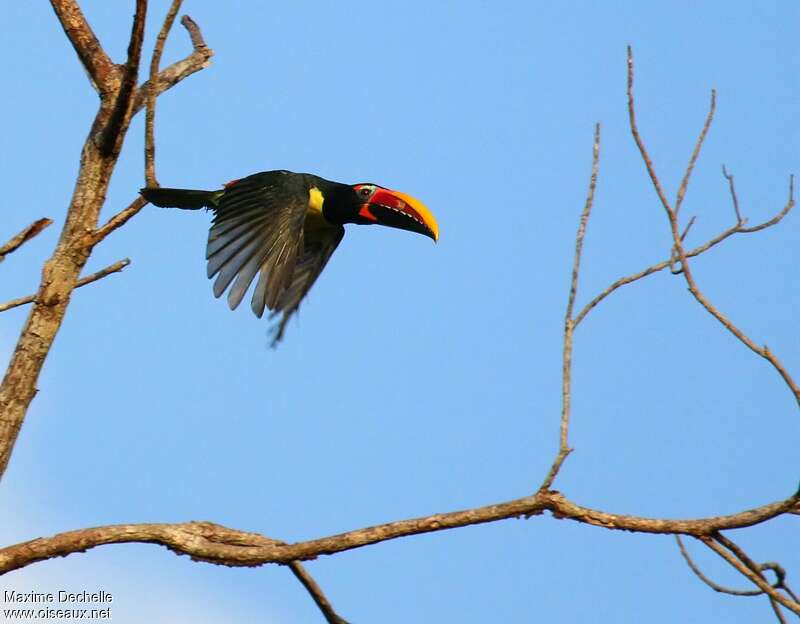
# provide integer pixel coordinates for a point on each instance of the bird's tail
(181, 198)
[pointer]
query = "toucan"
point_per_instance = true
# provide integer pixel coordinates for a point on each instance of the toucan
(284, 226)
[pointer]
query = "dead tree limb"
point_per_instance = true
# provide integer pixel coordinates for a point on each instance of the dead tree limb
(205, 541)
(23, 237)
(110, 269)
(62, 271)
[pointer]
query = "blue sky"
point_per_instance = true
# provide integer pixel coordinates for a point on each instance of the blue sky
(420, 378)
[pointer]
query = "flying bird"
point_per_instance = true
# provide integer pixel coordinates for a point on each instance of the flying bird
(284, 227)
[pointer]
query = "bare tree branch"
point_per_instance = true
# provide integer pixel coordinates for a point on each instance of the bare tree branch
(150, 113)
(680, 251)
(780, 578)
(137, 204)
(102, 71)
(776, 608)
(200, 58)
(779, 572)
(764, 351)
(117, 221)
(635, 131)
(316, 593)
(569, 323)
(111, 138)
(777, 218)
(111, 268)
(61, 272)
(204, 541)
(758, 570)
(716, 587)
(695, 154)
(755, 577)
(735, 229)
(688, 228)
(23, 237)
(734, 198)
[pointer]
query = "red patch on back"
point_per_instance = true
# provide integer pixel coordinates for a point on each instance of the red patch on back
(231, 183)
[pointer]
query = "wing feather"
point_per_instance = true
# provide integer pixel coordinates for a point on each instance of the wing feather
(234, 264)
(231, 248)
(319, 245)
(258, 228)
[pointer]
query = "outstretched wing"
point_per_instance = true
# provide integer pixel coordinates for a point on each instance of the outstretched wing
(258, 228)
(318, 248)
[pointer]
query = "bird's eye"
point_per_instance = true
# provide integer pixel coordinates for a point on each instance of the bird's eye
(365, 191)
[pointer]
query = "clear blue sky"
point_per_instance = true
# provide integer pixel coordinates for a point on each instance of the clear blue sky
(420, 378)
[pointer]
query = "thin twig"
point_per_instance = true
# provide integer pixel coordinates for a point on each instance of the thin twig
(23, 237)
(200, 58)
(635, 131)
(776, 609)
(780, 577)
(150, 113)
(117, 221)
(780, 583)
(695, 153)
(111, 137)
(716, 587)
(778, 570)
(680, 251)
(569, 324)
(649, 271)
(738, 551)
(688, 227)
(581, 234)
(734, 198)
(777, 218)
(764, 351)
(736, 229)
(316, 593)
(754, 577)
(111, 268)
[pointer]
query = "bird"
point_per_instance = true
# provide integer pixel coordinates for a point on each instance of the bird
(284, 226)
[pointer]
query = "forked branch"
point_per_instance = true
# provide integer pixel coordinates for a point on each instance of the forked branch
(102, 71)
(680, 253)
(754, 575)
(110, 269)
(715, 586)
(200, 58)
(737, 228)
(61, 273)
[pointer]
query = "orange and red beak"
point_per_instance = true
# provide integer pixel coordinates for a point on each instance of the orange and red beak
(398, 210)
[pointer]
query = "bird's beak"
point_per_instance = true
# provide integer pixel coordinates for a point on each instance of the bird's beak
(398, 210)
